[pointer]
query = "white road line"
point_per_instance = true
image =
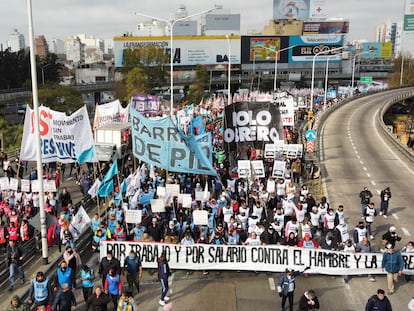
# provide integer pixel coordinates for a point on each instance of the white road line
(364, 168)
(362, 162)
(368, 174)
(395, 216)
(373, 183)
(272, 284)
(359, 157)
(356, 151)
(378, 192)
(406, 232)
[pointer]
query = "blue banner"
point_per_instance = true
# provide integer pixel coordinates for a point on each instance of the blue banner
(158, 142)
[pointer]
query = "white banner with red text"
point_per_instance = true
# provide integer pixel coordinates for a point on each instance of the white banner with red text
(253, 258)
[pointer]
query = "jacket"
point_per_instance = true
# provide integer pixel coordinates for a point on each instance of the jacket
(376, 304)
(303, 303)
(65, 300)
(392, 262)
(98, 303)
(163, 269)
(284, 282)
(14, 254)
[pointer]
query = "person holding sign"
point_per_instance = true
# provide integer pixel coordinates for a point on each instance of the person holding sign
(286, 286)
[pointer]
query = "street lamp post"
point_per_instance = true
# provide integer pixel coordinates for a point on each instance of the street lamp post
(326, 77)
(43, 73)
(313, 71)
(353, 71)
(229, 71)
(171, 26)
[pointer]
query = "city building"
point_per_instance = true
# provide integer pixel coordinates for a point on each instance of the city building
(16, 41)
(42, 48)
(390, 32)
(56, 46)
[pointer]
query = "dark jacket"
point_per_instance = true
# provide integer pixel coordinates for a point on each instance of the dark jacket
(105, 265)
(14, 254)
(163, 268)
(303, 303)
(376, 304)
(392, 262)
(64, 299)
(98, 303)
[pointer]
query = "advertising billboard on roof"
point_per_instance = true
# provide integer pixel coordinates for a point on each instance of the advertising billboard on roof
(306, 47)
(375, 50)
(325, 27)
(299, 9)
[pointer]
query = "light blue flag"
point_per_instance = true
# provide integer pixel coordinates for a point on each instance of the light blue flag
(87, 155)
(106, 189)
(113, 170)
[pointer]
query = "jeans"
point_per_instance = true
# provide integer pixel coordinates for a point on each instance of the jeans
(12, 270)
(164, 284)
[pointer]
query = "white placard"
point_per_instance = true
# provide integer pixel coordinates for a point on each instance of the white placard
(187, 199)
(25, 185)
(269, 151)
(35, 185)
(49, 186)
(202, 196)
(161, 192)
(279, 169)
(258, 169)
(4, 183)
(133, 216)
(157, 206)
(200, 218)
(13, 184)
(243, 168)
(172, 189)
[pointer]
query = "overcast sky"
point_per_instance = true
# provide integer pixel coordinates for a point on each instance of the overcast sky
(108, 18)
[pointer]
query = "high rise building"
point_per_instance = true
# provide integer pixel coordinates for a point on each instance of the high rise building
(16, 41)
(390, 32)
(56, 46)
(42, 48)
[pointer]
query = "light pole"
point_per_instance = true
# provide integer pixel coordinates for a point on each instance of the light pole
(277, 52)
(43, 73)
(229, 71)
(326, 77)
(171, 26)
(313, 71)
(353, 71)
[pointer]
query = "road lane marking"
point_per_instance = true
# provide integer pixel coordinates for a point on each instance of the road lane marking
(362, 162)
(364, 168)
(395, 216)
(368, 174)
(272, 284)
(406, 232)
(373, 183)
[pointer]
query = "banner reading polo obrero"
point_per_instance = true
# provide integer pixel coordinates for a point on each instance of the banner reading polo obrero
(158, 142)
(109, 113)
(63, 138)
(252, 124)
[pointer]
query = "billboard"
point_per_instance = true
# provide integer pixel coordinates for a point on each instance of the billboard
(222, 22)
(188, 50)
(409, 16)
(264, 49)
(299, 9)
(306, 47)
(325, 27)
(375, 50)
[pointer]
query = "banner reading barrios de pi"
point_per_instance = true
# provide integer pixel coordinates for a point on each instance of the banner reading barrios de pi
(253, 258)
(252, 123)
(63, 137)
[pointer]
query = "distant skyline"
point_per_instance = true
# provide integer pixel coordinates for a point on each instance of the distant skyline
(109, 18)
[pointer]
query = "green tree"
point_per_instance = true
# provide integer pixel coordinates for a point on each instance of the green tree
(145, 69)
(60, 98)
(408, 72)
(197, 89)
(11, 135)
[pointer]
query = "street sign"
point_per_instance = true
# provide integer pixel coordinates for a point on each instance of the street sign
(310, 146)
(310, 134)
(366, 79)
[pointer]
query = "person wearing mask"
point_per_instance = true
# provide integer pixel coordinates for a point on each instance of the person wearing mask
(40, 292)
(133, 267)
(63, 276)
(113, 286)
(286, 286)
(385, 200)
(392, 263)
(365, 195)
(14, 258)
(378, 302)
(65, 300)
(98, 300)
(73, 261)
(108, 262)
(391, 237)
(309, 301)
(163, 275)
(87, 277)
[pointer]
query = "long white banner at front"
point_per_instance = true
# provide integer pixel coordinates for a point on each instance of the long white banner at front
(252, 258)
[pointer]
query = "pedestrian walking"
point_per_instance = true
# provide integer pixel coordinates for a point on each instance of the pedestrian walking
(378, 302)
(65, 300)
(391, 237)
(308, 301)
(107, 263)
(63, 276)
(40, 292)
(286, 287)
(73, 261)
(365, 195)
(15, 256)
(87, 276)
(113, 286)
(385, 200)
(127, 302)
(98, 300)
(392, 263)
(163, 275)
(370, 213)
(133, 268)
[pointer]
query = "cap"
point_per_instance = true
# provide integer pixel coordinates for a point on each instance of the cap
(393, 229)
(15, 298)
(270, 228)
(154, 219)
(239, 226)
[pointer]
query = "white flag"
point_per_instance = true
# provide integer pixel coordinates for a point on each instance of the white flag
(94, 189)
(81, 219)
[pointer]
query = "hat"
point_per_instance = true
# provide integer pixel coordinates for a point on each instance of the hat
(154, 219)
(15, 298)
(270, 228)
(239, 226)
(393, 229)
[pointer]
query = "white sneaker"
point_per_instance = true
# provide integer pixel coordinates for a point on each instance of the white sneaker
(161, 302)
(380, 213)
(385, 216)
(372, 237)
(166, 298)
